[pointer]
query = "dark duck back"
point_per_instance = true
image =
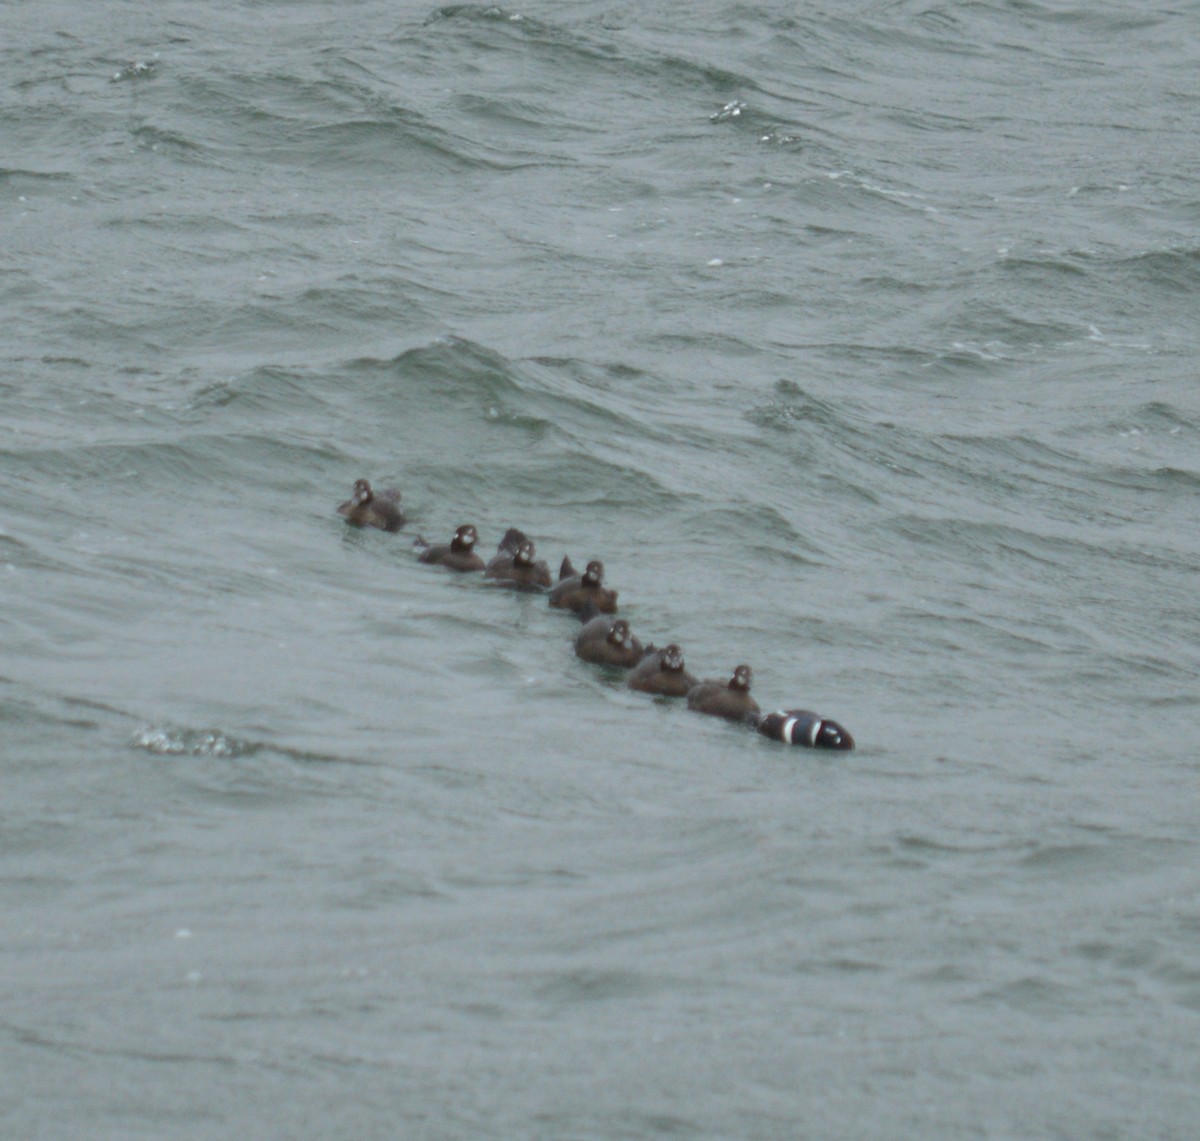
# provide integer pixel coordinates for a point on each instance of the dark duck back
(366, 508)
(576, 591)
(730, 699)
(458, 554)
(662, 671)
(800, 727)
(608, 642)
(515, 563)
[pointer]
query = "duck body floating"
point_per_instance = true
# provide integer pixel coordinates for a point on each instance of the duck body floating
(803, 727)
(367, 508)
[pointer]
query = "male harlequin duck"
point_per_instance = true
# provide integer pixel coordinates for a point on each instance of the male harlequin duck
(457, 554)
(608, 642)
(726, 699)
(800, 727)
(575, 591)
(662, 671)
(366, 508)
(514, 563)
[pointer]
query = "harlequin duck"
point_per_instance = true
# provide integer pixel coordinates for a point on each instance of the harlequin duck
(608, 642)
(514, 564)
(662, 672)
(574, 591)
(800, 727)
(726, 699)
(366, 508)
(457, 554)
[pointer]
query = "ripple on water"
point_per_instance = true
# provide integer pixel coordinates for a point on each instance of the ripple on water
(172, 742)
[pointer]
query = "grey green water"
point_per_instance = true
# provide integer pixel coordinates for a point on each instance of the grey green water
(858, 340)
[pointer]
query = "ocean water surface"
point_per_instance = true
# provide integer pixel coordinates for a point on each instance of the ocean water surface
(858, 340)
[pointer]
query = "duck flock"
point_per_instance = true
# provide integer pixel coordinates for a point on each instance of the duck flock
(602, 638)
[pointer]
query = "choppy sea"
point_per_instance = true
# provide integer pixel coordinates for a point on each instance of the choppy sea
(860, 342)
